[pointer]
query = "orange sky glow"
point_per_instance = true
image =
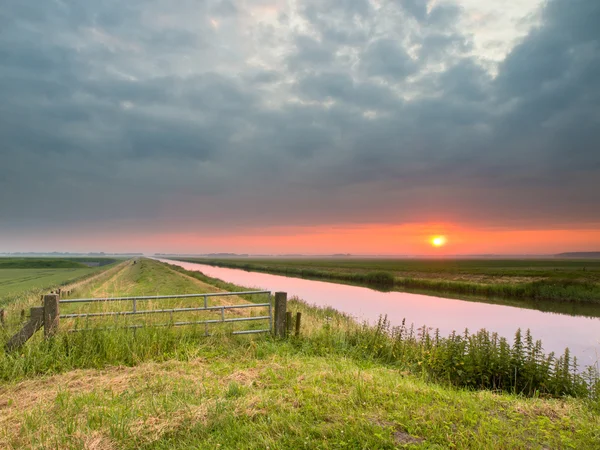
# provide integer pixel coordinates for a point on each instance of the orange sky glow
(408, 239)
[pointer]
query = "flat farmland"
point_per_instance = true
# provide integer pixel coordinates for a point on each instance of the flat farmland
(551, 279)
(25, 275)
(14, 281)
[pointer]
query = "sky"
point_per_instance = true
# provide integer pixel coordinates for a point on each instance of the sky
(300, 126)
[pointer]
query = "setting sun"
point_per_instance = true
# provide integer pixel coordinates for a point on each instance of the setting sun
(438, 241)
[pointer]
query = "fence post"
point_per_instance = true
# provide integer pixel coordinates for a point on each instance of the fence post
(280, 310)
(298, 318)
(51, 313)
(288, 323)
(2, 314)
(36, 321)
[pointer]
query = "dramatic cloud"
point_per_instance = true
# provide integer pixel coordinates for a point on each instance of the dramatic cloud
(212, 116)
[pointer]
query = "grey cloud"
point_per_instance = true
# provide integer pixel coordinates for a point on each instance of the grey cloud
(341, 87)
(551, 85)
(324, 16)
(465, 80)
(335, 85)
(309, 53)
(443, 16)
(344, 124)
(416, 8)
(263, 77)
(313, 9)
(386, 58)
(224, 8)
(438, 46)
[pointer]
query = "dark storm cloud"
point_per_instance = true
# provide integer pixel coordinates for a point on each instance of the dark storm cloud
(115, 112)
(551, 84)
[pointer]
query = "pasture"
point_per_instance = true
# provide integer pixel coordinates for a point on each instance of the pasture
(22, 276)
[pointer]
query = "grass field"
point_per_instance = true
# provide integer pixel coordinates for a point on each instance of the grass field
(337, 386)
(550, 279)
(25, 276)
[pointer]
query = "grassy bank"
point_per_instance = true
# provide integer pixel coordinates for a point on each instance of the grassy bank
(340, 385)
(545, 280)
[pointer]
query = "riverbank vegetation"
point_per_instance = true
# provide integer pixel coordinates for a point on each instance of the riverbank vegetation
(547, 280)
(479, 360)
(338, 385)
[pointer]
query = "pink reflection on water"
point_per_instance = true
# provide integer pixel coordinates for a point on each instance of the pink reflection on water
(556, 331)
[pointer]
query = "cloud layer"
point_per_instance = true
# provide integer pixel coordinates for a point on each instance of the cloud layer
(223, 115)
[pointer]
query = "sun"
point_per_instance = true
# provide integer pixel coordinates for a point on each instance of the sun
(438, 241)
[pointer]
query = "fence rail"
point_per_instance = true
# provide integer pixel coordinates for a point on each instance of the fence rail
(157, 311)
(205, 308)
(160, 297)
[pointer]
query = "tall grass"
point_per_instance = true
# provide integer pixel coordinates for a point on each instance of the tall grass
(108, 347)
(482, 360)
(553, 289)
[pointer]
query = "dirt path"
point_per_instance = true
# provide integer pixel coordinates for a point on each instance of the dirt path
(110, 273)
(115, 283)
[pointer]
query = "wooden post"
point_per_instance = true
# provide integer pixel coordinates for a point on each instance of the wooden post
(298, 319)
(280, 310)
(35, 323)
(288, 323)
(50, 314)
(2, 317)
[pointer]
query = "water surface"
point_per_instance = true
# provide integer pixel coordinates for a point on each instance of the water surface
(557, 331)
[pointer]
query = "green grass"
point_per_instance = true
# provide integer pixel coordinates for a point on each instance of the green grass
(544, 280)
(485, 267)
(340, 385)
(254, 399)
(26, 278)
(16, 281)
(38, 263)
(51, 263)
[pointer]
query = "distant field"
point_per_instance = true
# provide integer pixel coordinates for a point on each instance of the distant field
(453, 269)
(544, 279)
(20, 275)
(14, 281)
(52, 263)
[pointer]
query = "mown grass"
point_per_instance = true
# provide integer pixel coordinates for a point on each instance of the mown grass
(39, 263)
(545, 280)
(22, 278)
(339, 385)
(53, 263)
